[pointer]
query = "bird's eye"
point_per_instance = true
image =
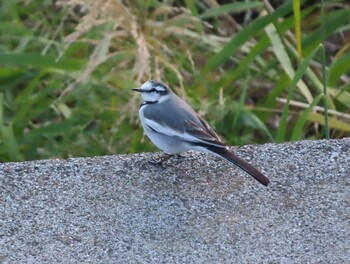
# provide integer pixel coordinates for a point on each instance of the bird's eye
(150, 91)
(154, 90)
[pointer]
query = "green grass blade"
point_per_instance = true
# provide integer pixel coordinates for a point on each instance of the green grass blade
(228, 8)
(337, 69)
(280, 50)
(296, 9)
(242, 99)
(255, 52)
(341, 96)
(298, 128)
(40, 61)
(26, 98)
(332, 22)
(10, 143)
(50, 130)
(324, 75)
(251, 30)
(334, 123)
(250, 119)
(281, 132)
(191, 5)
(64, 110)
(325, 99)
(285, 61)
(2, 101)
(245, 63)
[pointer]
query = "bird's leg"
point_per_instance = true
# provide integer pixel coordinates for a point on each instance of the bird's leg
(160, 160)
(178, 156)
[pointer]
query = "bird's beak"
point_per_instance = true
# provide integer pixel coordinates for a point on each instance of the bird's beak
(137, 90)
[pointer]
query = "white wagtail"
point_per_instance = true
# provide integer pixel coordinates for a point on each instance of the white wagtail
(174, 127)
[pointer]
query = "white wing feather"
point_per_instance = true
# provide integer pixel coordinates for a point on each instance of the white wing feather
(184, 135)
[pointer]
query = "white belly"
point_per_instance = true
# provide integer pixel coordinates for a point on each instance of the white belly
(170, 145)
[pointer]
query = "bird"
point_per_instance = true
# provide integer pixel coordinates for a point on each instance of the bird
(174, 127)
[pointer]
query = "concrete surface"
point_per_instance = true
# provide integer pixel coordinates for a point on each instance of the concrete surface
(198, 209)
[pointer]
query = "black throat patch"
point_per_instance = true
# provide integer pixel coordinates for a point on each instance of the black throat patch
(148, 102)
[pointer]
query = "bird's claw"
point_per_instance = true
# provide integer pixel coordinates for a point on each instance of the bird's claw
(159, 160)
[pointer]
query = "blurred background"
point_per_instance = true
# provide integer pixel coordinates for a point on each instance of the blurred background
(257, 71)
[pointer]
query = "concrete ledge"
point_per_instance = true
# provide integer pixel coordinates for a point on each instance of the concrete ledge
(199, 209)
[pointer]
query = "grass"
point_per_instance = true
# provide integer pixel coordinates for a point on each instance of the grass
(257, 71)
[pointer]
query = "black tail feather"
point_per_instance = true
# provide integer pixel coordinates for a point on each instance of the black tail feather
(242, 164)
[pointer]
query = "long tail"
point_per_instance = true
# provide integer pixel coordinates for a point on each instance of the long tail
(231, 157)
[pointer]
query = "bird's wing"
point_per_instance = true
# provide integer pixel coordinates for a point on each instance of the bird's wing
(209, 129)
(180, 120)
(203, 133)
(162, 127)
(191, 132)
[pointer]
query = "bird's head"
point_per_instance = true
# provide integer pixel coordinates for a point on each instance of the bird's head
(153, 91)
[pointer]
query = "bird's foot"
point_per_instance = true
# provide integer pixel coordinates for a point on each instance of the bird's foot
(178, 156)
(160, 160)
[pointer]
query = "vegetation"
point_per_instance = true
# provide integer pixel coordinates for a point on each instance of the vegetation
(258, 71)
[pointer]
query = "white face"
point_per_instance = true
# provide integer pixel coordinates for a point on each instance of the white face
(153, 91)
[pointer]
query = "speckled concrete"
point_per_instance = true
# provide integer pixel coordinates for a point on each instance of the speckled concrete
(198, 209)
